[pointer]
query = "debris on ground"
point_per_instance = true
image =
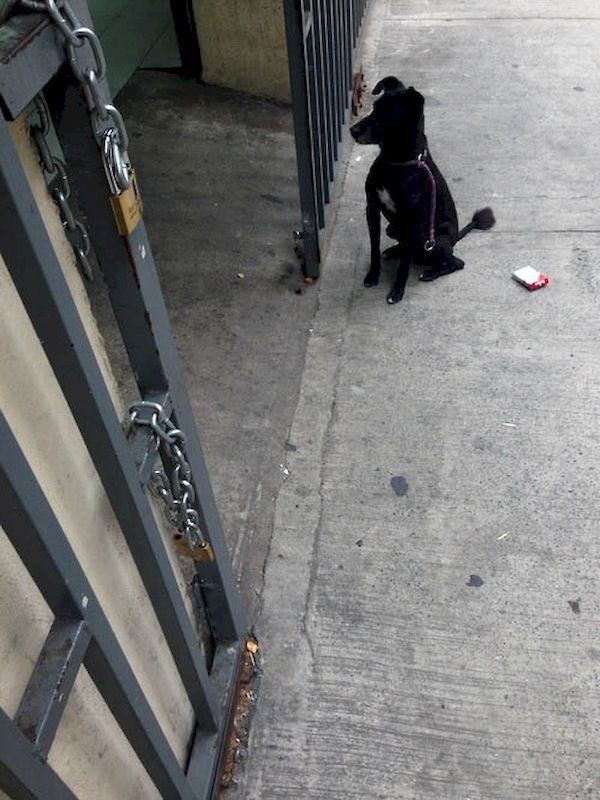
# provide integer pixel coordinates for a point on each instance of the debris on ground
(530, 278)
(237, 744)
(475, 580)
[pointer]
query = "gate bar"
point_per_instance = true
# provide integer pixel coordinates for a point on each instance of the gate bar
(21, 76)
(40, 542)
(139, 307)
(321, 68)
(48, 689)
(136, 296)
(39, 279)
(300, 108)
(23, 774)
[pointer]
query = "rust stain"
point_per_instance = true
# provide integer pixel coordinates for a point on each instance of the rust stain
(358, 87)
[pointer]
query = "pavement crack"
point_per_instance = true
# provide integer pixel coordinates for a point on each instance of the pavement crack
(324, 449)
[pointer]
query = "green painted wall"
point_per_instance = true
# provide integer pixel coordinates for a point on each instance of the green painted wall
(243, 47)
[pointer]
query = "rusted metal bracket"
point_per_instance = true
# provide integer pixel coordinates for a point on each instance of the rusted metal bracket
(358, 88)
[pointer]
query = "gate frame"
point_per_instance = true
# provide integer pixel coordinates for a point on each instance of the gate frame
(321, 42)
(35, 54)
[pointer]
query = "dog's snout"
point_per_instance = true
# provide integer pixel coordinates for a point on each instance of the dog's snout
(361, 132)
(355, 131)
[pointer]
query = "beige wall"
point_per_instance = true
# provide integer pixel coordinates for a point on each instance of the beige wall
(242, 44)
(89, 753)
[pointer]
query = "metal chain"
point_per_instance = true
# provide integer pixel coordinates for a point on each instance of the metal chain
(60, 189)
(176, 492)
(112, 140)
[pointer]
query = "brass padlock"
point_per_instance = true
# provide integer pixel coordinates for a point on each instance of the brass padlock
(202, 553)
(128, 207)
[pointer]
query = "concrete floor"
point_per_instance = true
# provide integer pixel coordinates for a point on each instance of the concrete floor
(431, 610)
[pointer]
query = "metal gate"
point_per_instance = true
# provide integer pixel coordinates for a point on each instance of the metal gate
(50, 53)
(321, 40)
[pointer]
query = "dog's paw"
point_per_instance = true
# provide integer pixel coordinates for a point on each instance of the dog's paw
(395, 296)
(443, 269)
(371, 279)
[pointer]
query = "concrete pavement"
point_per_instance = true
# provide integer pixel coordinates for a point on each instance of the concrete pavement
(430, 618)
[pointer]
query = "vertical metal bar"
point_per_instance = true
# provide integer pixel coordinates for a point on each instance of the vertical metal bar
(341, 57)
(338, 70)
(34, 531)
(343, 50)
(128, 267)
(324, 108)
(22, 774)
(206, 756)
(315, 127)
(184, 22)
(40, 281)
(322, 22)
(45, 698)
(130, 273)
(295, 41)
(347, 52)
(331, 74)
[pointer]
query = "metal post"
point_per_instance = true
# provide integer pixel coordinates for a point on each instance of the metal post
(306, 179)
(138, 303)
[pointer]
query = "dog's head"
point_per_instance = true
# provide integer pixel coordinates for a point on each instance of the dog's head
(396, 118)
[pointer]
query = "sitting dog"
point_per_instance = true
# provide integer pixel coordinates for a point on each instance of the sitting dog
(405, 185)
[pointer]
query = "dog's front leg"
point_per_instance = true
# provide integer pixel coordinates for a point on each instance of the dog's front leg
(374, 224)
(399, 286)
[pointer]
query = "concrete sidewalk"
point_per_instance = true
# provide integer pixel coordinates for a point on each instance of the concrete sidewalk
(436, 635)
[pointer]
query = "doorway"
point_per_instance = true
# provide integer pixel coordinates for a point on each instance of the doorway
(145, 34)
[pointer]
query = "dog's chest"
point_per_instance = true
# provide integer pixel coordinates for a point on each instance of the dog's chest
(385, 199)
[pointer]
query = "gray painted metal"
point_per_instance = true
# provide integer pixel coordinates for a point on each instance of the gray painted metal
(130, 273)
(31, 51)
(39, 280)
(45, 698)
(320, 62)
(144, 447)
(40, 542)
(123, 465)
(206, 753)
(23, 774)
(300, 105)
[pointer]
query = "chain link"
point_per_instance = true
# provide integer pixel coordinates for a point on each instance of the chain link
(60, 189)
(113, 140)
(176, 492)
(115, 158)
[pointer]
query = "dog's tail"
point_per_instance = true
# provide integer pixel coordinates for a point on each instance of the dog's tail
(482, 220)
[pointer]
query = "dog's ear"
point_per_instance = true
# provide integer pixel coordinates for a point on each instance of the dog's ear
(416, 100)
(388, 85)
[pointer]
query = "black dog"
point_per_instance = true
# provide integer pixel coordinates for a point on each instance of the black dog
(405, 185)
